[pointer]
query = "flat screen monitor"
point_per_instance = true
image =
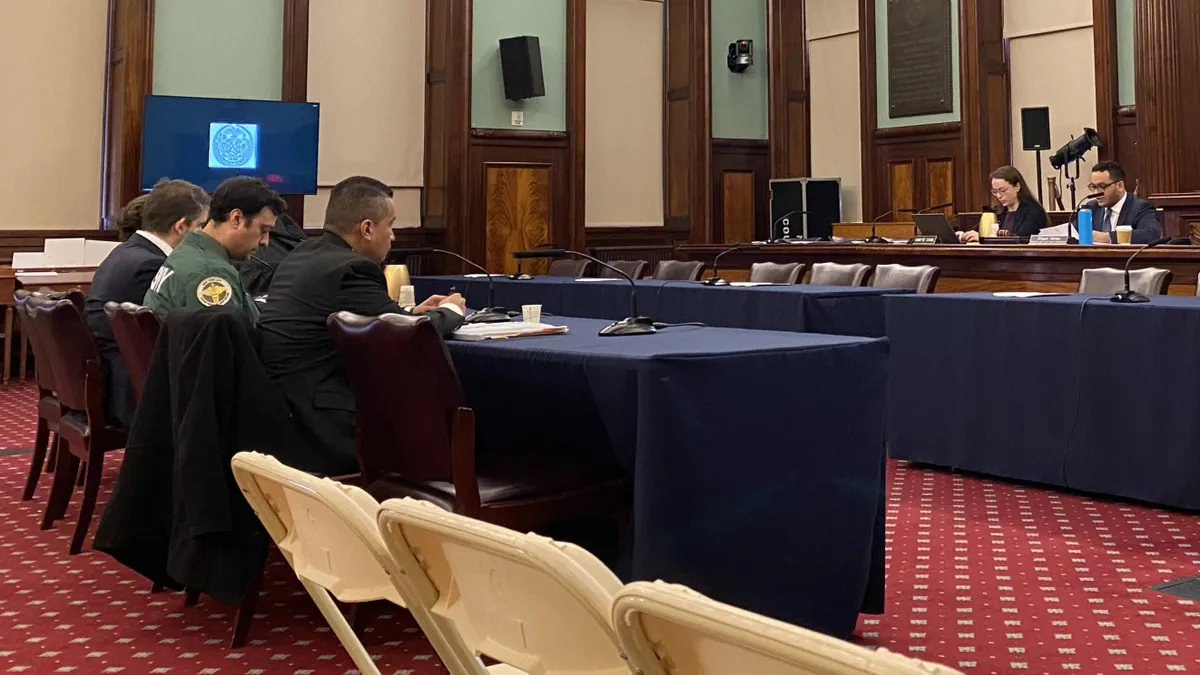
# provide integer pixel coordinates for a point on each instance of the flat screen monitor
(206, 140)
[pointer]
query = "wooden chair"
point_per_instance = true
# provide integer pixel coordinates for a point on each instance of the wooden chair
(677, 270)
(833, 274)
(664, 628)
(83, 432)
(634, 268)
(1105, 280)
(776, 273)
(135, 329)
(921, 279)
(534, 604)
(418, 439)
(568, 268)
(49, 411)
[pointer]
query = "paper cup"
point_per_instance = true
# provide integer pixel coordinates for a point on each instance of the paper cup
(531, 313)
(408, 297)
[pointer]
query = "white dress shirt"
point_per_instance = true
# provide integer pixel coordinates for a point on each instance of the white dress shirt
(157, 241)
(1116, 213)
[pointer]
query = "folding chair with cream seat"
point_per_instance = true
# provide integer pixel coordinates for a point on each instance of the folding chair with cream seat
(531, 603)
(667, 629)
(327, 532)
(833, 274)
(1105, 280)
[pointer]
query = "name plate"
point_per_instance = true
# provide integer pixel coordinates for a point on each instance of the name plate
(924, 239)
(1049, 240)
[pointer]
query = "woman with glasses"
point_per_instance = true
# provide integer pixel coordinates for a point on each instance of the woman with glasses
(1019, 213)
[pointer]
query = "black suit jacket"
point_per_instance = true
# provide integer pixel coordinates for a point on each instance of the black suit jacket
(1136, 212)
(124, 276)
(1026, 221)
(257, 270)
(321, 277)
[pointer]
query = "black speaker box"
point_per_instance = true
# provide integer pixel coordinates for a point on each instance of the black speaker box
(521, 61)
(1035, 128)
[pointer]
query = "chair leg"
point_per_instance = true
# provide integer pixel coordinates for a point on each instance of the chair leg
(156, 588)
(52, 458)
(82, 474)
(24, 348)
(41, 444)
(191, 598)
(91, 490)
(60, 490)
(245, 613)
(8, 323)
(341, 628)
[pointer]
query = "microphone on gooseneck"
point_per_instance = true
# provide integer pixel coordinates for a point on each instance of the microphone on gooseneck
(875, 238)
(715, 279)
(1129, 296)
(489, 314)
(785, 219)
(630, 325)
(935, 207)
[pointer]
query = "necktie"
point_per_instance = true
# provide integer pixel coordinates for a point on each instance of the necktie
(1106, 224)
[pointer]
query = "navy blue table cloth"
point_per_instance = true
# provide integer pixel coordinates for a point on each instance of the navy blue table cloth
(1101, 398)
(801, 308)
(757, 457)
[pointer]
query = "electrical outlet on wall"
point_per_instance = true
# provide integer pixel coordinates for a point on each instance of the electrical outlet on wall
(518, 118)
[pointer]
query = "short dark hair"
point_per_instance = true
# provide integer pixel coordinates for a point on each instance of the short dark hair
(1113, 168)
(169, 201)
(354, 200)
(246, 194)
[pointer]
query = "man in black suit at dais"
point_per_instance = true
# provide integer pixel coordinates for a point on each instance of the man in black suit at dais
(157, 222)
(339, 271)
(1117, 206)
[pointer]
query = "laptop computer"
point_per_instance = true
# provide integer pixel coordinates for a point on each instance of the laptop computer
(936, 224)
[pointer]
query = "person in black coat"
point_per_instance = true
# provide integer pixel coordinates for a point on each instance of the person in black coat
(258, 269)
(155, 222)
(339, 271)
(1019, 213)
(1115, 207)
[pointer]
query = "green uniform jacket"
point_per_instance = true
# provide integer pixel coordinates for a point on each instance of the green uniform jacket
(198, 274)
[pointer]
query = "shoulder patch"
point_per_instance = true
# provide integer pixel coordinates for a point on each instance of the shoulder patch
(213, 291)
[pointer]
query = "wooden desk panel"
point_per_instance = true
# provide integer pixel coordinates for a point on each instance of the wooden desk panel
(63, 281)
(970, 268)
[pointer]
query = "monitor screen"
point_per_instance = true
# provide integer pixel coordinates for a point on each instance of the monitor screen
(206, 140)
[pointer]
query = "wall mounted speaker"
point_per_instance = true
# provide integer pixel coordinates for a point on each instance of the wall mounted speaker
(521, 61)
(1035, 128)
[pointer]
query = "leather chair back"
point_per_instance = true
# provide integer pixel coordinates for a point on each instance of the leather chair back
(833, 274)
(67, 343)
(775, 273)
(135, 329)
(1147, 281)
(568, 268)
(921, 279)
(43, 370)
(385, 357)
(634, 268)
(677, 270)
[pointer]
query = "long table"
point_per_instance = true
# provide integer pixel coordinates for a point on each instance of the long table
(834, 310)
(757, 457)
(1072, 391)
(969, 268)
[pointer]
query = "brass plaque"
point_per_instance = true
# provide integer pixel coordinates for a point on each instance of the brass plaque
(920, 67)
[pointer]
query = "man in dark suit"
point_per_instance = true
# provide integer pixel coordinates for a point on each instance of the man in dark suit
(1116, 206)
(339, 271)
(157, 221)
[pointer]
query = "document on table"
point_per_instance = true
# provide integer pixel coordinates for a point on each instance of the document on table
(1023, 294)
(504, 330)
(752, 284)
(479, 276)
(602, 279)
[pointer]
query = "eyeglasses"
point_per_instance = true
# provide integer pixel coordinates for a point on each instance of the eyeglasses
(1003, 190)
(1100, 187)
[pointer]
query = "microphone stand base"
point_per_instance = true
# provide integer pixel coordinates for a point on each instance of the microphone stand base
(634, 325)
(1129, 298)
(715, 281)
(876, 240)
(489, 315)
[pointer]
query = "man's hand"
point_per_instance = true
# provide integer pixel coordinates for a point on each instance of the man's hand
(431, 303)
(968, 236)
(457, 300)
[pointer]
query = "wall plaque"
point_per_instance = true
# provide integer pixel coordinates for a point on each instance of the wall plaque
(920, 70)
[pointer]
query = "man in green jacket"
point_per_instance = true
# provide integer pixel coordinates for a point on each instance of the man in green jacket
(198, 273)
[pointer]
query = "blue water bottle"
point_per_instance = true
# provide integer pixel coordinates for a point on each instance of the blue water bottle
(1084, 224)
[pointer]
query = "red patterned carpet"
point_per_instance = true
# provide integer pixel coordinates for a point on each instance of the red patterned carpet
(983, 576)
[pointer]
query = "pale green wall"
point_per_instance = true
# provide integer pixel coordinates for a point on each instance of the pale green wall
(219, 48)
(739, 101)
(496, 19)
(881, 69)
(1125, 71)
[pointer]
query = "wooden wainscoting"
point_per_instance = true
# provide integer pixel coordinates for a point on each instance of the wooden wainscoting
(741, 189)
(918, 167)
(1126, 143)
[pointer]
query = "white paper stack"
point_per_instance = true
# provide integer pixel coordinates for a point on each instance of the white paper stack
(65, 252)
(505, 330)
(94, 251)
(28, 260)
